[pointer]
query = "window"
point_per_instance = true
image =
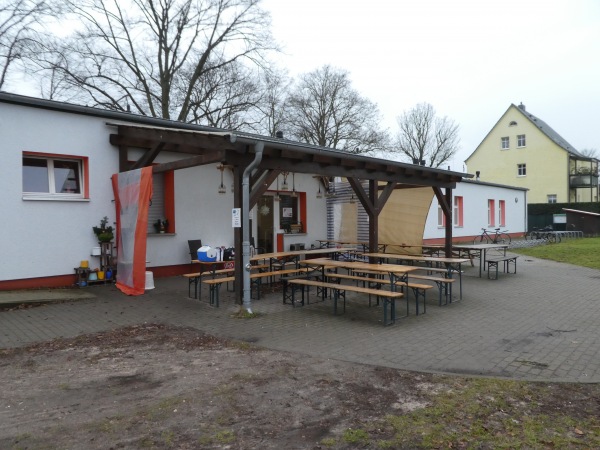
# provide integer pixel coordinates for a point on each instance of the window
(552, 198)
(441, 217)
(505, 143)
(502, 213)
(491, 213)
(520, 140)
(458, 212)
(521, 170)
(292, 212)
(54, 177)
(512, 124)
(162, 204)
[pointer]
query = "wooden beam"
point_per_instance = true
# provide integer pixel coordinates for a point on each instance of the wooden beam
(442, 200)
(178, 144)
(362, 196)
(448, 240)
(385, 195)
(261, 187)
(148, 156)
(123, 160)
(209, 158)
(373, 218)
(336, 170)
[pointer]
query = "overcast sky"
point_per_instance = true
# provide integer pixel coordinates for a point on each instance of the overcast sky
(470, 59)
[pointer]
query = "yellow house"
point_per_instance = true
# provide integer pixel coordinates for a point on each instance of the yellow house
(523, 151)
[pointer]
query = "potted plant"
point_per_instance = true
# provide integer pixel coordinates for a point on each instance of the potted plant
(161, 225)
(104, 232)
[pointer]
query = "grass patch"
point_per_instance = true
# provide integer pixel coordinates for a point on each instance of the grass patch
(496, 414)
(580, 252)
(352, 436)
(243, 314)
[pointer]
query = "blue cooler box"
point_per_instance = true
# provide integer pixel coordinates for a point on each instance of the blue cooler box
(207, 254)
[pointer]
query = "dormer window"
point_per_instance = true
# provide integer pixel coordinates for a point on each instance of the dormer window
(512, 124)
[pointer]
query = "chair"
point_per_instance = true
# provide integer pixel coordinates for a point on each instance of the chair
(194, 245)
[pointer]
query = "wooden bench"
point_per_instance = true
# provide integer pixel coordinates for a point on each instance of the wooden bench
(339, 290)
(444, 286)
(288, 290)
(419, 290)
(197, 276)
(255, 280)
(506, 262)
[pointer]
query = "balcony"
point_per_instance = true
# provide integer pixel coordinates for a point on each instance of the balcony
(583, 180)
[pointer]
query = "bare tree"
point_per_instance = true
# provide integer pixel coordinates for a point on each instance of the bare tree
(18, 23)
(425, 137)
(152, 56)
(272, 110)
(225, 96)
(325, 110)
(589, 152)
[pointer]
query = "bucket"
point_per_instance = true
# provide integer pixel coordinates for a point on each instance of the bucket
(101, 275)
(149, 280)
(93, 276)
(84, 264)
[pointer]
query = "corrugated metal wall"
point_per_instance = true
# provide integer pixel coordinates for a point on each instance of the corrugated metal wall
(343, 193)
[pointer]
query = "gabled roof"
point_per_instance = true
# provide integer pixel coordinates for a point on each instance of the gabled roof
(548, 131)
(542, 126)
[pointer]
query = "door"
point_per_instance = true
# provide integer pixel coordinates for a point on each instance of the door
(264, 223)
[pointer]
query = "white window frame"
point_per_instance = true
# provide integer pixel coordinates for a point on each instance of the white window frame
(522, 170)
(521, 141)
(51, 193)
(457, 216)
(441, 217)
(552, 198)
(505, 143)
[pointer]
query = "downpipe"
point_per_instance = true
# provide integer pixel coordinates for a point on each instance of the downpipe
(258, 152)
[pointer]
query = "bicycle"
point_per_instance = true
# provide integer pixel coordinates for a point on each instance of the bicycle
(498, 237)
(547, 233)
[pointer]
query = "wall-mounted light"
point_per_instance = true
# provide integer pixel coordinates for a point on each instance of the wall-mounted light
(319, 193)
(294, 193)
(276, 197)
(222, 188)
(284, 185)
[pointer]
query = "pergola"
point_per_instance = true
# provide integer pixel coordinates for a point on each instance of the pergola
(256, 161)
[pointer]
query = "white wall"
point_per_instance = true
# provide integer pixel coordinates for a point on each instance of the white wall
(475, 210)
(49, 238)
(45, 238)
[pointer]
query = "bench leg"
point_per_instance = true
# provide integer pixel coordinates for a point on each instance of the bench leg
(336, 295)
(214, 295)
(514, 262)
(419, 293)
(294, 289)
(256, 284)
(391, 302)
(490, 265)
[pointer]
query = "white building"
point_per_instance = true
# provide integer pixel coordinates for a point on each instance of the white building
(477, 205)
(58, 160)
(57, 163)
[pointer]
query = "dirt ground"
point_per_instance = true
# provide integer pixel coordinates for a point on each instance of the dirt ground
(161, 387)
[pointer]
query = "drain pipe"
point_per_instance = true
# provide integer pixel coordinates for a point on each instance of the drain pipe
(258, 152)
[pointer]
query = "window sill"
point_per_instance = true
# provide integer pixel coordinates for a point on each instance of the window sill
(46, 198)
(161, 234)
